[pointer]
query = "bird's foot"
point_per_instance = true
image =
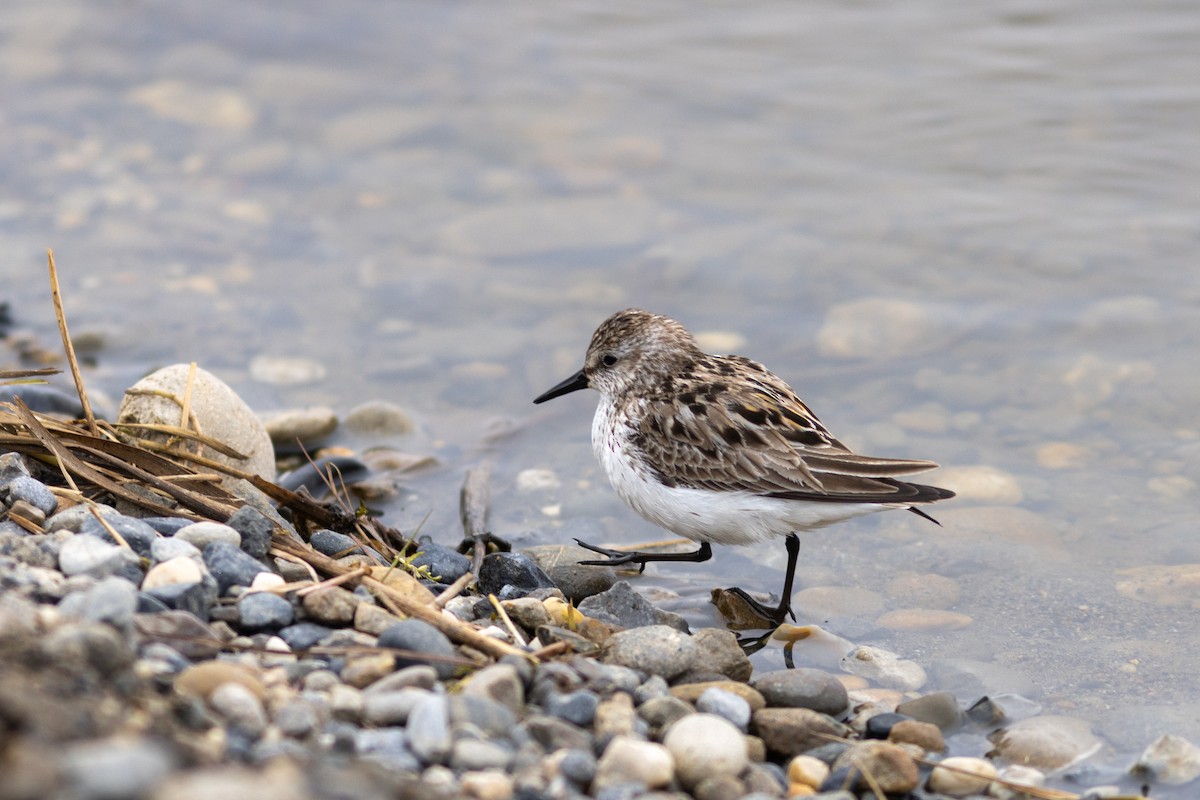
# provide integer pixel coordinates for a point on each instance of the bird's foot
(776, 615)
(618, 557)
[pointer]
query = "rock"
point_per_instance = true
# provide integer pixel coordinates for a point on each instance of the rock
(725, 704)
(372, 619)
(961, 776)
(363, 670)
(528, 612)
(240, 706)
(723, 654)
(807, 771)
(615, 716)
(304, 635)
(705, 746)
(306, 424)
(656, 649)
(692, 692)
(177, 570)
(1047, 743)
(117, 767)
(259, 611)
(111, 600)
(334, 544)
(924, 735)
(511, 569)
(578, 707)
(418, 636)
(1176, 585)
(891, 768)
(167, 548)
(554, 734)
(87, 555)
(792, 731)
(230, 566)
(255, 529)
(32, 491)
(187, 632)
(923, 619)
(627, 759)
(445, 564)
(332, 605)
(217, 410)
(878, 328)
(885, 668)
(938, 708)
(428, 729)
(660, 712)
(377, 418)
(577, 582)
(422, 676)
(1169, 759)
(300, 717)
(137, 534)
(202, 534)
(621, 605)
(167, 526)
(390, 707)
(803, 688)
(279, 780)
(202, 679)
(499, 682)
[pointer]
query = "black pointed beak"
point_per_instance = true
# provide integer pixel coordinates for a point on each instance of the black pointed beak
(572, 384)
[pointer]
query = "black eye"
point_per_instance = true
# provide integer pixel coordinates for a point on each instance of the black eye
(608, 360)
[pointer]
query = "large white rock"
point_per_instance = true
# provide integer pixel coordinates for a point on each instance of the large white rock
(217, 410)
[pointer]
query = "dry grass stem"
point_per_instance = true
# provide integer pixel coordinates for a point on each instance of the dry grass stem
(508, 623)
(68, 346)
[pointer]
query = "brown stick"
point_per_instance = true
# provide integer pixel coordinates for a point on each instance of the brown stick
(68, 347)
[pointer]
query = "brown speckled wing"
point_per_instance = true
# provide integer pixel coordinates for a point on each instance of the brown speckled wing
(737, 427)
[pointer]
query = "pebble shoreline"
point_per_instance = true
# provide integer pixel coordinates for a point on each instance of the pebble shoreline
(180, 659)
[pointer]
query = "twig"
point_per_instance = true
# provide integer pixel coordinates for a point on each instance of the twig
(508, 623)
(453, 590)
(68, 346)
(328, 583)
(551, 650)
(108, 527)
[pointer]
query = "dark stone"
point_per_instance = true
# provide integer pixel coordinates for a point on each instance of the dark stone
(44, 399)
(803, 688)
(418, 636)
(512, 569)
(578, 708)
(553, 733)
(623, 606)
(258, 611)
(579, 767)
(445, 564)
(255, 529)
(490, 716)
(304, 635)
(880, 725)
(334, 544)
(230, 566)
(577, 581)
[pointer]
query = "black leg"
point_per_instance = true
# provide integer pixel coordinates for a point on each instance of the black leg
(618, 557)
(779, 614)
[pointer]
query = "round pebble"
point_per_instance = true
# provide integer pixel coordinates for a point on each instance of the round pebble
(657, 649)
(259, 611)
(803, 688)
(705, 746)
(884, 667)
(628, 759)
(724, 704)
(202, 534)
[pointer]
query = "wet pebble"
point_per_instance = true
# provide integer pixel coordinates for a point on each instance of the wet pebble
(306, 424)
(793, 731)
(878, 328)
(515, 570)
(884, 667)
(377, 418)
(890, 767)
(803, 688)
(1046, 742)
(938, 708)
(961, 776)
(1169, 759)
(924, 735)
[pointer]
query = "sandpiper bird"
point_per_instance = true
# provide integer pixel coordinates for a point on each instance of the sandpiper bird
(719, 449)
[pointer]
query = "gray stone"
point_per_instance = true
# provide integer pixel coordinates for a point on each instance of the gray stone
(300, 717)
(264, 611)
(32, 491)
(107, 769)
(1047, 743)
(577, 582)
(168, 526)
(705, 746)
(938, 708)
(445, 564)
(476, 754)
(657, 649)
(138, 535)
(334, 544)
(87, 555)
(884, 667)
(418, 636)
(516, 570)
(112, 600)
(660, 712)
(304, 635)
(219, 412)
(230, 566)
(332, 605)
(391, 707)
(428, 729)
(306, 424)
(202, 534)
(1169, 759)
(803, 688)
(498, 682)
(194, 598)
(621, 605)
(166, 548)
(421, 676)
(723, 654)
(481, 713)
(553, 733)
(255, 529)
(725, 704)
(792, 731)
(72, 519)
(578, 707)
(240, 707)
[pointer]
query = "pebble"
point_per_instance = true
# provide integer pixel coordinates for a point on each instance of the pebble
(807, 771)
(803, 688)
(823, 602)
(961, 776)
(1160, 585)
(81, 555)
(201, 534)
(219, 412)
(486, 785)
(621, 605)
(376, 419)
(692, 692)
(254, 528)
(446, 564)
(657, 649)
(705, 746)
(177, 570)
(577, 582)
(390, 707)
(32, 491)
(627, 759)
(332, 605)
(891, 767)
(418, 636)
(167, 548)
(938, 708)
(725, 704)
(1169, 759)
(111, 600)
(793, 731)
(240, 706)
(115, 767)
(202, 679)
(1047, 743)
(230, 566)
(306, 424)
(515, 570)
(363, 670)
(924, 735)
(258, 611)
(428, 729)
(884, 667)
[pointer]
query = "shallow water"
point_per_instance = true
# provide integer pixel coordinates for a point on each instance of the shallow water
(436, 204)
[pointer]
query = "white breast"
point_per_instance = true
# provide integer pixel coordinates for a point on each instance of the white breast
(700, 514)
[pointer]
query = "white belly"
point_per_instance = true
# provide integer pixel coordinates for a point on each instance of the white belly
(707, 516)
